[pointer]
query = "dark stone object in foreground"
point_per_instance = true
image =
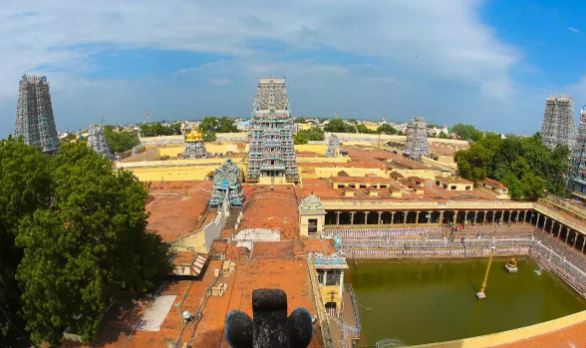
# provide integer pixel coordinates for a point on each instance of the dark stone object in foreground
(270, 327)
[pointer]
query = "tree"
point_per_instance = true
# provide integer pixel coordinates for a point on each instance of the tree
(363, 129)
(120, 141)
(210, 125)
(304, 136)
(300, 138)
(87, 249)
(25, 186)
(386, 128)
(467, 132)
(525, 165)
(300, 120)
(158, 129)
(338, 125)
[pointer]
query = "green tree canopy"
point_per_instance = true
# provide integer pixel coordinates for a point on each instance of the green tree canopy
(120, 141)
(467, 132)
(25, 186)
(73, 237)
(363, 129)
(525, 165)
(158, 129)
(386, 128)
(337, 125)
(210, 125)
(304, 136)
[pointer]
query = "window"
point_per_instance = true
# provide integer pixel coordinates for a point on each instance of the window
(312, 226)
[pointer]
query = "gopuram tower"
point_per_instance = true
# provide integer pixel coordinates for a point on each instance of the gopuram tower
(558, 126)
(271, 158)
(34, 114)
(416, 143)
(577, 177)
(97, 141)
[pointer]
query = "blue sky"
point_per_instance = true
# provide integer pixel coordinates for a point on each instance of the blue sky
(488, 63)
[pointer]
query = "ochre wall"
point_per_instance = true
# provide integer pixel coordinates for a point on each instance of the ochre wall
(176, 170)
(319, 149)
(511, 336)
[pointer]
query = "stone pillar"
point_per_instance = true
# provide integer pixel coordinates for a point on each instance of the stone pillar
(429, 216)
(493, 217)
(455, 218)
(366, 217)
(545, 222)
(567, 234)
(465, 216)
(475, 216)
(484, 217)
(510, 216)
(560, 230)
(537, 220)
(341, 285)
(392, 218)
(417, 217)
(405, 217)
(337, 218)
(352, 217)
(380, 219)
(441, 217)
(583, 243)
(575, 239)
(325, 276)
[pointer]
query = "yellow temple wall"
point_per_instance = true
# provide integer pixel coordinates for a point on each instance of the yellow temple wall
(326, 172)
(510, 336)
(174, 150)
(319, 149)
(176, 170)
(428, 174)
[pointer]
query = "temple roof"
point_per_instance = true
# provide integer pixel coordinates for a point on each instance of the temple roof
(194, 135)
(311, 204)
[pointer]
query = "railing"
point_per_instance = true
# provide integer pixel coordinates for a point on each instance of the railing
(213, 229)
(321, 312)
(353, 330)
(580, 212)
(562, 267)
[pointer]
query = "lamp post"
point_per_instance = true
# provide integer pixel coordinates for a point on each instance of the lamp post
(481, 295)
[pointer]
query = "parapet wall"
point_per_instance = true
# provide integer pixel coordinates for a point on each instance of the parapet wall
(511, 336)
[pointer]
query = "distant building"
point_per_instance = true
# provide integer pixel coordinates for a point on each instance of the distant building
(558, 126)
(416, 143)
(577, 177)
(271, 158)
(97, 141)
(35, 122)
(333, 149)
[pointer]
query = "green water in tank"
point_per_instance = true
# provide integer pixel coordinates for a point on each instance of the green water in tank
(415, 302)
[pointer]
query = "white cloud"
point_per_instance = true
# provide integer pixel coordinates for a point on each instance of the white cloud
(412, 43)
(574, 30)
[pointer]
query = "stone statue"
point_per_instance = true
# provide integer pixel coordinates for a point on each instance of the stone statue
(270, 327)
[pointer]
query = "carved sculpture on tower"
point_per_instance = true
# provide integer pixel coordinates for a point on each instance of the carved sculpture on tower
(577, 177)
(416, 143)
(35, 122)
(333, 149)
(97, 141)
(558, 126)
(194, 147)
(227, 180)
(271, 157)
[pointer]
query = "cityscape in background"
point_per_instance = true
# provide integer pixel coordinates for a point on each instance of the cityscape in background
(272, 228)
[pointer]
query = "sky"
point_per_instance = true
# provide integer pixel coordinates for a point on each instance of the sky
(488, 63)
